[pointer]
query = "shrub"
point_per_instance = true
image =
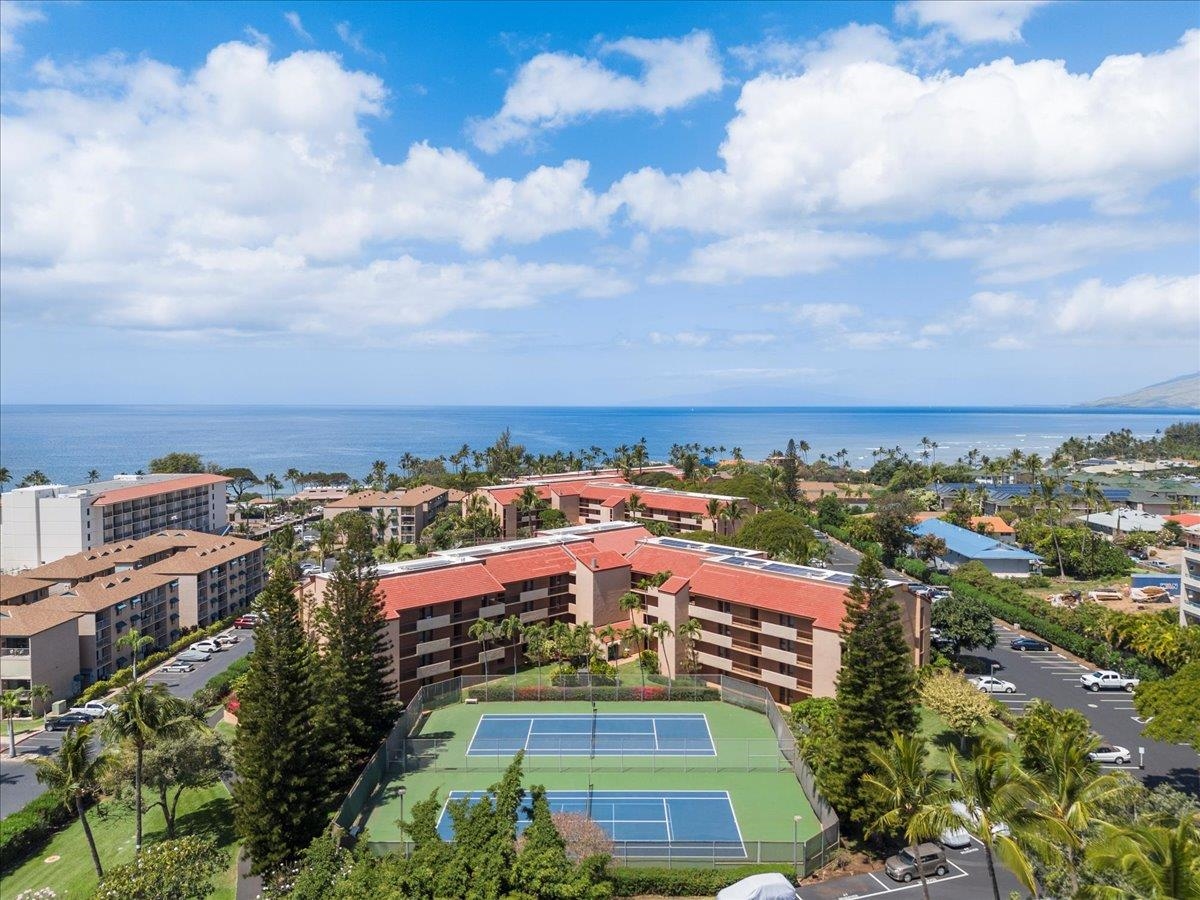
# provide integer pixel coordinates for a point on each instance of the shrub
(630, 881)
(29, 828)
(913, 567)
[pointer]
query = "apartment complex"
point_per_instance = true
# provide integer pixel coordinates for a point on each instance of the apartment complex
(594, 500)
(402, 515)
(41, 524)
(1189, 580)
(39, 645)
(162, 585)
(772, 623)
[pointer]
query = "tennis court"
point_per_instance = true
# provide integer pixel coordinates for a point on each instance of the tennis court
(643, 821)
(603, 734)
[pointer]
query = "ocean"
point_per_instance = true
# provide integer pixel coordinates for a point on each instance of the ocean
(66, 442)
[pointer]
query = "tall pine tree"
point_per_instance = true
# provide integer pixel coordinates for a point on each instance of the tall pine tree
(791, 489)
(876, 688)
(282, 792)
(355, 660)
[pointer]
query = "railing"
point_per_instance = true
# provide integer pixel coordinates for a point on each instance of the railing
(14, 651)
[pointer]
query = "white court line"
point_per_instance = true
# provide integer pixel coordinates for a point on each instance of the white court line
(654, 731)
(667, 818)
(529, 733)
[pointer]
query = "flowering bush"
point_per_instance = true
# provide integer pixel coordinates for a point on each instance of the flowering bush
(582, 836)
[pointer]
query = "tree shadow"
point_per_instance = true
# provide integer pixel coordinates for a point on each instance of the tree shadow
(213, 819)
(1186, 780)
(974, 664)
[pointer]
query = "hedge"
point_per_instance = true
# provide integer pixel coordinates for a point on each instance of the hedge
(122, 677)
(1030, 619)
(915, 568)
(30, 827)
(630, 881)
(218, 687)
(625, 692)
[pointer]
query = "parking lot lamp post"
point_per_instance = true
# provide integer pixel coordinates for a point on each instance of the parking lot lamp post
(401, 791)
(796, 844)
(995, 666)
(1141, 757)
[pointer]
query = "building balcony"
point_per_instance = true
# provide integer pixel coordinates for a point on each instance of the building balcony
(778, 678)
(712, 661)
(784, 656)
(436, 668)
(491, 655)
(15, 666)
(429, 624)
(787, 632)
(710, 615)
(717, 640)
(496, 609)
(534, 615)
(435, 646)
(534, 594)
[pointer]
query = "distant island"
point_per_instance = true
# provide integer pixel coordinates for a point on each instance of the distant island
(1177, 393)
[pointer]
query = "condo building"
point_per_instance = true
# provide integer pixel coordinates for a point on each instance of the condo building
(41, 524)
(1189, 577)
(402, 515)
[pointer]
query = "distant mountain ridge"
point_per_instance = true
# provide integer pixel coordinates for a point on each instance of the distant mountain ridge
(1182, 392)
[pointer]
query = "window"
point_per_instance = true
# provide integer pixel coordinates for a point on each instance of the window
(786, 646)
(787, 621)
(724, 606)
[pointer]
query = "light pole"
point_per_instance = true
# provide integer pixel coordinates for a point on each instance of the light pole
(401, 791)
(796, 844)
(1141, 757)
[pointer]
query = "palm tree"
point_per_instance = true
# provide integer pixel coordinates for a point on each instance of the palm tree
(731, 514)
(536, 637)
(804, 447)
(915, 801)
(11, 703)
(93, 476)
(510, 629)
(135, 641)
(143, 714)
(608, 636)
(293, 475)
(712, 509)
(774, 476)
(1073, 795)
(1158, 859)
(639, 636)
(634, 506)
(34, 478)
(75, 775)
(272, 484)
(999, 795)
(1046, 492)
(40, 694)
(661, 630)
(690, 632)
(5, 476)
(529, 504)
(483, 631)
(631, 603)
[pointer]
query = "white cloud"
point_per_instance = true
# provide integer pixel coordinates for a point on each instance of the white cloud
(1167, 306)
(1009, 342)
(871, 140)
(293, 19)
(553, 90)
(682, 338)
(991, 304)
(247, 191)
(841, 46)
(14, 16)
(258, 37)
(1015, 253)
(971, 21)
(447, 338)
(752, 338)
(354, 40)
(873, 340)
(821, 315)
(774, 254)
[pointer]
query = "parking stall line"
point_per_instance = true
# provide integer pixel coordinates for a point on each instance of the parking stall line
(882, 884)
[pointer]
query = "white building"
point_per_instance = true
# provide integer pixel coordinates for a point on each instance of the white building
(41, 524)
(1189, 578)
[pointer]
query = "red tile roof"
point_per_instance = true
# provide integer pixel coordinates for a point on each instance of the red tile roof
(137, 491)
(520, 565)
(994, 524)
(823, 603)
(416, 589)
(600, 560)
(621, 540)
(506, 495)
(673, 585)
(649, 559)
(1187, 520)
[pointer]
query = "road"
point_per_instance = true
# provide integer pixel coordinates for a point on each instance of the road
(1054, 677)
(18, 782)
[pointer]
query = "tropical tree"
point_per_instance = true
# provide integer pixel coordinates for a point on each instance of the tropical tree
(1046, 495)
(93, 476)
(690, 632)
(136, 641)
(999, 796)
(41, 694)
(143, 714)
(1158, 860)
(11, 703)
(177, 868)
(272, 484)
(294, 476)
(34, 478)
(5, 476)
(632, 603)
(536, 645)
(483, 631)
(529, 504)
(75, 775)
(913, 800)
(510, 629)
(661, 630)
(608, 636)
(634, 506)
(713, 510)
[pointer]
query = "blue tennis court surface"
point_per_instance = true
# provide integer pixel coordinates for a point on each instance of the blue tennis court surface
(700, 823)
(571, 734)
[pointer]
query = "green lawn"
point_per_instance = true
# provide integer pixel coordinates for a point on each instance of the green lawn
(22, 726)
(939, 736)
(763, 790)
(206, 812)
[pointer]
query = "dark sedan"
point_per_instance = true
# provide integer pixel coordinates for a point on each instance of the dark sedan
(1028, 643)
(67, 720)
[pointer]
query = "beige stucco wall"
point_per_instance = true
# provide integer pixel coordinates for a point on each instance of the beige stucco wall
(827, 659)
(598, 594)
(54, 658)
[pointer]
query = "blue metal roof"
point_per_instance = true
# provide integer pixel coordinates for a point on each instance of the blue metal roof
(971, 544)
(1003, 492)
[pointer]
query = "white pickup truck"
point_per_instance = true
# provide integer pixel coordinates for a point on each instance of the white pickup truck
(1108, 680)
(96, 709)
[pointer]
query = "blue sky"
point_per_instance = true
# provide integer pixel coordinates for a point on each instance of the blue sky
(883, 203)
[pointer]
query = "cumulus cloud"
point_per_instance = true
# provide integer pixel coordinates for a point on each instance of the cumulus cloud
(971, 21)
(1015, 253)
(553, 90)
(247, 191)
(871, 140)
(774, 254)
(14, 16)
(293, 19)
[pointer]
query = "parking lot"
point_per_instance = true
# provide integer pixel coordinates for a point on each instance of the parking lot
(1054, 676)
(968, 880)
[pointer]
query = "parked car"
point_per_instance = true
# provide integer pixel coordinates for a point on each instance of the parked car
(228, 639)
(930, 858)
(193, 656)
(208, 645)
(93, 709)
(1106, 753)
(1026, 644)
(1108, 680)
(990, 685)
(249, 620)
(178, 668)
(957, 837)
(67, 720)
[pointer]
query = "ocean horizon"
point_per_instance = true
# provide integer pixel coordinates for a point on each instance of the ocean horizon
(65, 441)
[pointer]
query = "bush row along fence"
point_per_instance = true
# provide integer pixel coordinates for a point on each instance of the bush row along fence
(806, 856)
(588, 687)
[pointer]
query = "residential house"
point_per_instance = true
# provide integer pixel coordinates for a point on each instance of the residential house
(964, 545)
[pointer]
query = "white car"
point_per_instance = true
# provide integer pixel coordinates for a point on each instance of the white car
(958, 837)
(207, 646)
(1110, 753)
(990, 685)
